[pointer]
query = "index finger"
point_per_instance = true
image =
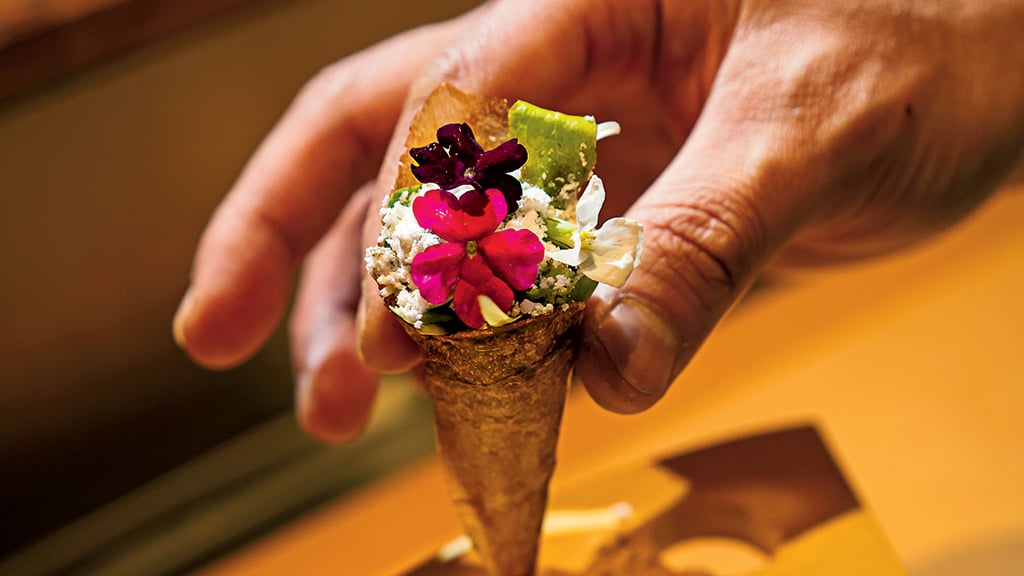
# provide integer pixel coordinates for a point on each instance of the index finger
(329, 142)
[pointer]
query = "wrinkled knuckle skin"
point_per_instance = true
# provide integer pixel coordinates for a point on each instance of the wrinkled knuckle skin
(452, 65)
(327, 84)
(704, 250)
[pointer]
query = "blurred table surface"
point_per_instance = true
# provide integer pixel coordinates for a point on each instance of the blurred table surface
(912, 366)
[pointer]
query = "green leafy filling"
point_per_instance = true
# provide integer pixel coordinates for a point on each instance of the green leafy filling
(402, 196)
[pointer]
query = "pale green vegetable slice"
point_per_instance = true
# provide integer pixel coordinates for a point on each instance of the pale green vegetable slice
(493, 315)
(561, 147)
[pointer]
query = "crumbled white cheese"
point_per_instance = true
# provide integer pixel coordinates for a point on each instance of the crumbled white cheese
(531, 210)
(401, 239)
(561, 282)
(411, 306)
(534, 198)
(528, 220)
(531, 308)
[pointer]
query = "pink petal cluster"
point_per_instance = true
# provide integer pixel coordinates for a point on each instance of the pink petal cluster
(474, 260)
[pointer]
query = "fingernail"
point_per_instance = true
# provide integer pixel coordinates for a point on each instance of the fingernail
(181, 317)
(303, 393)
(330, 407)
(641, 344)
(310, 409)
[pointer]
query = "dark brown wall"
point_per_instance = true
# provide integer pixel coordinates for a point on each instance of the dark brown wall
(107, 177)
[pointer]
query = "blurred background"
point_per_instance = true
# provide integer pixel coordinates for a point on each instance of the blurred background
(122, 124)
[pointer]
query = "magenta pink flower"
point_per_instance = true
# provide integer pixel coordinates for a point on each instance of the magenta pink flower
(475, 260)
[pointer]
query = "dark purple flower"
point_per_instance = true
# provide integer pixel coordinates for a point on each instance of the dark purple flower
(456, 159)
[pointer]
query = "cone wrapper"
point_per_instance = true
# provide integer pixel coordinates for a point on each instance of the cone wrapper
(498, 393)
(498, 399)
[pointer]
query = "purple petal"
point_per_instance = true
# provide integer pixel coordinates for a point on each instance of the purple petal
(507, 157)
(509, 187)
(460, 142)
(514, 256)
(474, 202)
(432, 153)
(436, 269)
(442, 173)
(478, 279)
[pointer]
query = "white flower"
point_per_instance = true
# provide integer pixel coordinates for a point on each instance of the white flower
(608, 254)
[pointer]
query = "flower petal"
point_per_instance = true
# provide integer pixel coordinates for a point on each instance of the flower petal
(436, 269)
(506, 157)
(482, 212)
(608, 129)
(493, 315)
(477, 279)
(432, 153)
(509, 187)
(439, 211)
(570, 256)
(614, 251)
(460, 142)
(468, 217)
(443, 173)
(589, 206)
(514, 256)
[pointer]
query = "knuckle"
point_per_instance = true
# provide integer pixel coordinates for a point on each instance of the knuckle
(705, 248)
(327, 86)
(451, 65)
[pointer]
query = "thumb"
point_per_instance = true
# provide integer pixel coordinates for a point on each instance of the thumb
(711, 221)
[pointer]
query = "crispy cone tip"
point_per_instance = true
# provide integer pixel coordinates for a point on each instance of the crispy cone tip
(498, 400)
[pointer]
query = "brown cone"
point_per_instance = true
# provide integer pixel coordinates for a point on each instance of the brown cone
(498, 399)
(498, 392)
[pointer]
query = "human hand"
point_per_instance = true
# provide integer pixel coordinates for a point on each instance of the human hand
(753, 132)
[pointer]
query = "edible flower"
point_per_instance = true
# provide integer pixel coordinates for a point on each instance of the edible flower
(456, 159)
(474, 260)
(607, 254)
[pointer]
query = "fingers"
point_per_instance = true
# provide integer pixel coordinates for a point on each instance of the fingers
(335, 390)
(702, 247)
(571, 47)
(712, 219)
(330, 141)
